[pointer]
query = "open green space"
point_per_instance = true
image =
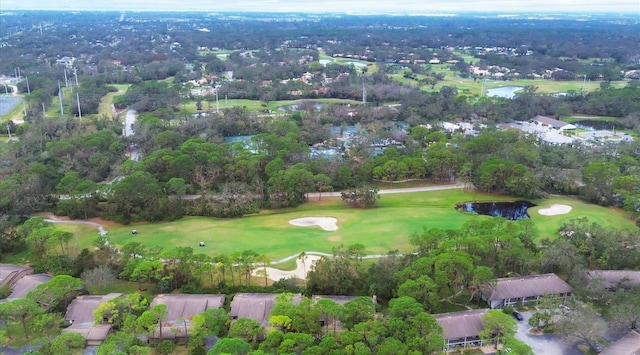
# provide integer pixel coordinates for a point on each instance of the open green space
(606, 216)
(105, 103)
(471, 87)
(257, 105)
(572, 119)
(381, 229)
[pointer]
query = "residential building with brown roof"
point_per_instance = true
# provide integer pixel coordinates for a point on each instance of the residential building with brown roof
(613, 279)
(10, 274)
(510, 291)
(462, 329)
(80, 316)
(627, 345)
(332, 323)
(26, 284)
(256, 306)
(180, 311)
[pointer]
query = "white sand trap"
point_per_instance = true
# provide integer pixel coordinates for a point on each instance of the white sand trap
(555, 209)
(302, 268)
(326, 223)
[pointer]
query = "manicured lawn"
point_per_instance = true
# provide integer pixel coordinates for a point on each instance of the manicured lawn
(572, 119)
(107, 100)
(381, 229)
(257, 105)
(607, 216)
(470, 87)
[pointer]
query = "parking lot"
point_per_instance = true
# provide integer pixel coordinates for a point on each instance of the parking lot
(547, 344)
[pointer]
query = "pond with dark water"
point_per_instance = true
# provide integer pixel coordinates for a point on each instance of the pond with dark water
(599, 125)
(510, 210)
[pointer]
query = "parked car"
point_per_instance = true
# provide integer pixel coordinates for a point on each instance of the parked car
(564, 309)
(517, 315)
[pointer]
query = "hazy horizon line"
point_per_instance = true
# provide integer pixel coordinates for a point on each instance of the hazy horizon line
(407, 13)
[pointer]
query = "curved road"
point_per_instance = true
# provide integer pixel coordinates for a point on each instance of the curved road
(380, 192)
(103, 232)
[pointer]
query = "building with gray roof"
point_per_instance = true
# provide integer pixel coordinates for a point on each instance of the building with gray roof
(180, 311)
(26, 284)
(552, 123)
(510, 291)
(10, 274)
(462, 329)
(613, 279)
(329, 322)
(627, 345)
(80, 316)
(256, 306)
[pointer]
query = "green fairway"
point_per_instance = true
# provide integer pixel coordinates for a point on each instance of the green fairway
(381, 229)
(104, 109)
(606, 216)
(571, 119)
(257, 105)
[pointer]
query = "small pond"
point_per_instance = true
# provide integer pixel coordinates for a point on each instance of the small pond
(235, 139)
(295, 107)
(508, 92)
(8, 102)
(599, 125)
(510, 210)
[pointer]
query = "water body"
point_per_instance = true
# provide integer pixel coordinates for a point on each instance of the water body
(8, 103)
(235, 139)
(295, 107)
(510, 210)
(508, 92)
(356, 64)
(599, 125)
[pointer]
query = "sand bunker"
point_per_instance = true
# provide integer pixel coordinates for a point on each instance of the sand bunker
(555, 209)
(302, 268)
(326, 223)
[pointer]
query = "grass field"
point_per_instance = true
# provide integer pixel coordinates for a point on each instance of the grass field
(105, 103)
(471, 87)
(384, 228)
(572, 119)
(257, 105)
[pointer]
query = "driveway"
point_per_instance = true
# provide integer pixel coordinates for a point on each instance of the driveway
(547, 344)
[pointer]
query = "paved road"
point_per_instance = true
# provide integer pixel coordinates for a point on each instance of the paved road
(547, 344)
(101, 229)
(381, 192)
(129, 120)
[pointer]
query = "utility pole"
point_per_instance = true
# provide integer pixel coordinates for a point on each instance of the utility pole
(9, 130)
(217, 104)
(60, 99)
(66, 81)
(79, 110)
(75, 72)
(28, 88)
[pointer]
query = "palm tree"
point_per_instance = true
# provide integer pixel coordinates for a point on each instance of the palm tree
(303, 257)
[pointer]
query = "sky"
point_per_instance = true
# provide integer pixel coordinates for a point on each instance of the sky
(349, 6)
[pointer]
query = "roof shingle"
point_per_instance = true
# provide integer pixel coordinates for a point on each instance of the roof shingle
(528, 286)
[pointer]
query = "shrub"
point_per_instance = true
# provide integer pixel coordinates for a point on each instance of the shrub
(165, 347)
(100, 277)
